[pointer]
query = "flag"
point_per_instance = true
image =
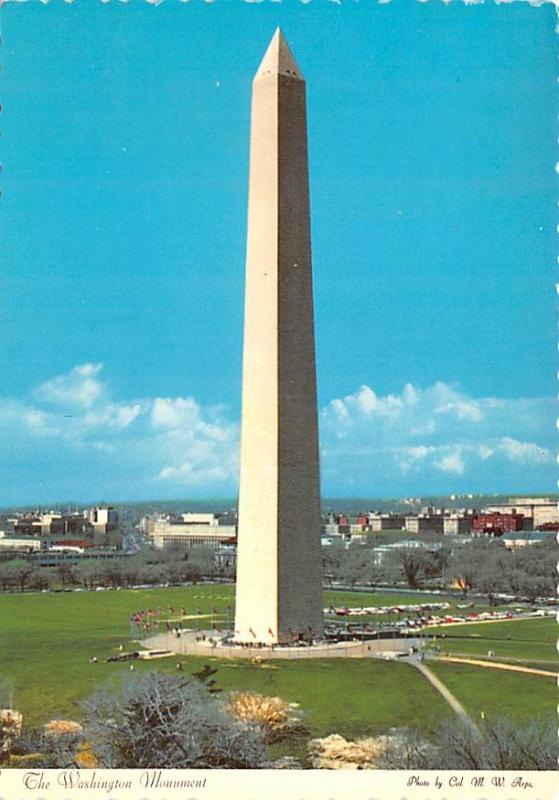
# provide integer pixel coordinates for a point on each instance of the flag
(270, 631)
(252, 632)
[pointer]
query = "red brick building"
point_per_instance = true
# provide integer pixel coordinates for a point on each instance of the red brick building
(497, 524)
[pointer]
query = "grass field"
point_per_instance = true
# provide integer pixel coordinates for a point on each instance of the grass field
(46, 641)
(529, 640)
(495, 692)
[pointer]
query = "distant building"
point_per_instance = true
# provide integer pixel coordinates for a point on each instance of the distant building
(225, 556)
(380, 552)
(25, 544)
(193, 518)
(422, 523)
(76, 555)
(70, 546)
(518, 539)
(192, 530)
(541, 510)
(496, 524)
(387, 522)
(102, 516)
(330, 529)
(104, 521)
(457, 524)
(47, 527)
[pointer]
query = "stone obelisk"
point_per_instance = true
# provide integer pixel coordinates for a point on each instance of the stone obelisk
(279, 569)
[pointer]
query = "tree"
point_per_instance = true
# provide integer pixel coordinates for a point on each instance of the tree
(534, 570)
(332, 559)
(151, 573)
(5, 576)
(40, 578)
(354, 564)
(202, 560)
(86, 573)
(413, 563)
(20, 572)
(465, 563)
(168, 722)
(64, 571)
(489, 581)
(111, 572)
(498, 743)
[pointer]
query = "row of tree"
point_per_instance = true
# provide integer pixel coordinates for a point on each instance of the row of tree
(483, 565)
(149, 567)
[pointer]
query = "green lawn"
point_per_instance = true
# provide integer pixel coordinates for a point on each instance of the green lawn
(354, 697)
(530, 640)
(46, 641)
(496, 692)
(340, 599)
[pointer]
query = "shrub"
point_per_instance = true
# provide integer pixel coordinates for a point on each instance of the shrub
(335, 752)
(275, 718)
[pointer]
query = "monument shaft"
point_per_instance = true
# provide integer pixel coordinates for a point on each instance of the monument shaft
(279, 592)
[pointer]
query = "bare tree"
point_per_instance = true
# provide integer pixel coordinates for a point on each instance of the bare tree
(86, 573)
(168, 722)
(20, 572)
(500, 743)
(64, 571)
(414, 563)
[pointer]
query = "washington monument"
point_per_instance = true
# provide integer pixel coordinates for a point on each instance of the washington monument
(279, 570)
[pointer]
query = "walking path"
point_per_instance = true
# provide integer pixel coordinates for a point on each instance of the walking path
(497, 665)
(437, 684)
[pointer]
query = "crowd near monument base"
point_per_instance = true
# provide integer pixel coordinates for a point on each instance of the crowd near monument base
(222, 645)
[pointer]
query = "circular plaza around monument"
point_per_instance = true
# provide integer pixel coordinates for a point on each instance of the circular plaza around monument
(219, 645)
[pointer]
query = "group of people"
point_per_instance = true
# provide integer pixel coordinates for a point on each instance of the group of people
(151, 618)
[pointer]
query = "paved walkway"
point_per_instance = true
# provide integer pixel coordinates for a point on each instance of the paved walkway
(187, 644)
(497, 665)
(437, 684)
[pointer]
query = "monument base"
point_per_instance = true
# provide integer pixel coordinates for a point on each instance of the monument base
(221, 645)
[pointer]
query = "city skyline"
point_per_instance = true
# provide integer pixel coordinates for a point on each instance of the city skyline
(128, 373)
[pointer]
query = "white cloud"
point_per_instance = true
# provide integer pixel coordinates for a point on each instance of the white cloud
(452, 462)
(462, 409)
(389, 444)
(158, 440)
(525, 452)
(79, 387)
(423, 433)
(172, 413)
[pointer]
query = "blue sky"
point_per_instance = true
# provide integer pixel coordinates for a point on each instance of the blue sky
(125, 156)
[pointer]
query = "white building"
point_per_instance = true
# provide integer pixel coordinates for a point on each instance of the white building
(19, 543)
(187, 535)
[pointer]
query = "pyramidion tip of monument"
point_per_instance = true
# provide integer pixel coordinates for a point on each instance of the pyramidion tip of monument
(278, 59)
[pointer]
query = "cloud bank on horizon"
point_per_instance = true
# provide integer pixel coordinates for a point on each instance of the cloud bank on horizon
(70, 439)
